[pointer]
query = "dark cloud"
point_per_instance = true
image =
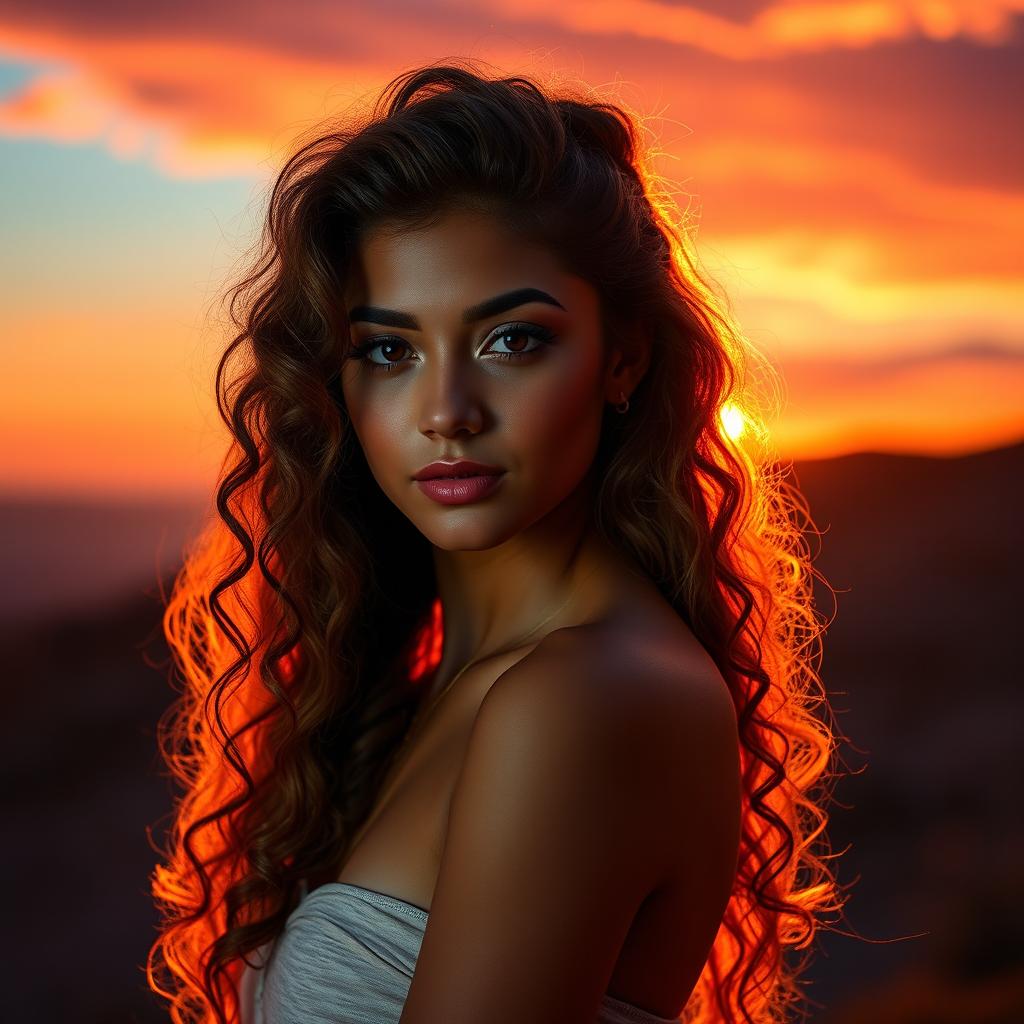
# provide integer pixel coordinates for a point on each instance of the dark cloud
(740, 11)
(319, 29)
(946, 107)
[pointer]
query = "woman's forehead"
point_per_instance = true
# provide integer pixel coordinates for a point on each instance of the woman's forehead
(459, 264)
(456, 239)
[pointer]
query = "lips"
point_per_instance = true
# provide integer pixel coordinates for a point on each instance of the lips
(461, 490)
(459, 469)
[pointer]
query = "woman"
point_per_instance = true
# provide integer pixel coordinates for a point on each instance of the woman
(499, 698)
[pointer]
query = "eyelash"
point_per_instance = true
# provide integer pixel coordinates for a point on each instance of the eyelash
(542, 334)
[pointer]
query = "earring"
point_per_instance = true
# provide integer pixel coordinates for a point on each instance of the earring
(623, 405)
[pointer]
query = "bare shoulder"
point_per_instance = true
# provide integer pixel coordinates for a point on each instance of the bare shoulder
(648, 720)
(575, 801)
(633, 690)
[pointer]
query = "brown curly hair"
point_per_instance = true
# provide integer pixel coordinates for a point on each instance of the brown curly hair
(292, 700)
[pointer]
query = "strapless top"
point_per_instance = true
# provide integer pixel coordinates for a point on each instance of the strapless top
(347, 956)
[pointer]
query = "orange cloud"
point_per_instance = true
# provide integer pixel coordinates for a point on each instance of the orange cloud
(925, 405)
(782, 28)
(196, 109)
(854, 199)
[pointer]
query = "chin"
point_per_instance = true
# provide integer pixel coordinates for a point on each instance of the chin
(464, 530)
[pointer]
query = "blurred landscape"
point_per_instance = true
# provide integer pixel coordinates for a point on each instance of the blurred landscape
(920, 663)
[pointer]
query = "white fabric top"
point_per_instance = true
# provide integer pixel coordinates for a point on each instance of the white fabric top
(347, 956)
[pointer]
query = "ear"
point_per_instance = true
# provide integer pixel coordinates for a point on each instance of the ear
(628, 359)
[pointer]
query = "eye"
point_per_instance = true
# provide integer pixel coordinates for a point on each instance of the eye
(362, 352)
(541, 334)
(511, 331)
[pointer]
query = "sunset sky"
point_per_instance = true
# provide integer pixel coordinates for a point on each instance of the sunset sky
(853, 170)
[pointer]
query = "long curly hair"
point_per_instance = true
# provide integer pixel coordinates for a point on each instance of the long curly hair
(292, 700)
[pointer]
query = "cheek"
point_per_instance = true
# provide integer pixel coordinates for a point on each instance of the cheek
(375, 427)
(555, 427)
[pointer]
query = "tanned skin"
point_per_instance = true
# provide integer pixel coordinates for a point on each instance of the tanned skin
(568, 810)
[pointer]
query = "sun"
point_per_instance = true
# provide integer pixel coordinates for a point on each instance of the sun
(734, 423)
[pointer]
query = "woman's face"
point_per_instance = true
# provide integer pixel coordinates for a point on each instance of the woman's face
(441, 376)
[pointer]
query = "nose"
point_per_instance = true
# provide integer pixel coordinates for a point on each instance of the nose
(450, 404)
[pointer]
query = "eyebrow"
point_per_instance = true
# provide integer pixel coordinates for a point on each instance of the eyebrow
(489, 307)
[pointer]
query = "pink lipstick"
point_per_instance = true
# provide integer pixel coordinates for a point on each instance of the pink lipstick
(459, 490)
(458, 482)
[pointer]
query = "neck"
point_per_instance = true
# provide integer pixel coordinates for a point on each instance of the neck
(491, 598)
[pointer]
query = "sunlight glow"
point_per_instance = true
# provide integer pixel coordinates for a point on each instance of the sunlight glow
(734, 423)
